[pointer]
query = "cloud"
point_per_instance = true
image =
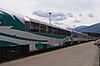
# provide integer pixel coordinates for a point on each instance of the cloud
(58, 23)
(59, 18)
(75, 7)
(70, 14)
(40, 13)
(90, 15)
(85, 4)
(80, 15)
(54, 16)
(77, 21)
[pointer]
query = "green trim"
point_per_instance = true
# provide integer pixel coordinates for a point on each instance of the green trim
(41, 46)
(61, 45)
(8, 20)
(69, 37)
(51, 35)
(49, 46)
(22, 38)
(6, 43)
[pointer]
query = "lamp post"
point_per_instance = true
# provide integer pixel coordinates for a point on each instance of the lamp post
(49, 17)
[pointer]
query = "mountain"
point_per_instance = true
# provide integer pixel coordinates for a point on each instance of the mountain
(79, 27)
(92, 28)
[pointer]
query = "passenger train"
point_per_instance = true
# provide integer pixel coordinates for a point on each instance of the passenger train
(22, 34)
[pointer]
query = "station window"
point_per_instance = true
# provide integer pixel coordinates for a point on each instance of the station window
(42, 28)
(34, 27)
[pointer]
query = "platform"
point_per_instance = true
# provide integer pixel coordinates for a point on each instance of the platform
(85, 54)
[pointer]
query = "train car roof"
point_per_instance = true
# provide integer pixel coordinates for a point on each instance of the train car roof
(44, 23)
(26, 18)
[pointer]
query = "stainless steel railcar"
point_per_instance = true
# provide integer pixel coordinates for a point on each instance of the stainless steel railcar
(17, 30)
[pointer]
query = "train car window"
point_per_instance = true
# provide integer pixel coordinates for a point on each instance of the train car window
(75, 34)
(64, 32)
(34, 27)
(49, 29)
(42, 28)
(68, 33)
(80, 35)
(60, 31)
(55, 30)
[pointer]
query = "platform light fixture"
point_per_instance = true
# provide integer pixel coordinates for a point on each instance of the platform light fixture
(50, 17)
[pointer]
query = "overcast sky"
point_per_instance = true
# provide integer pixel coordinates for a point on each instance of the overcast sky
(64, 13)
